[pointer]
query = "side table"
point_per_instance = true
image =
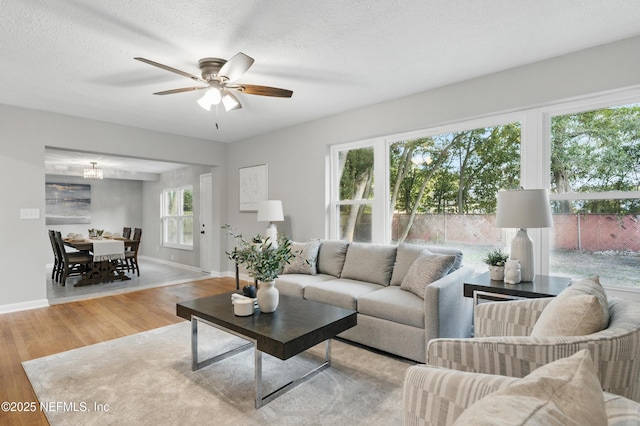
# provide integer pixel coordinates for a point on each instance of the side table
(485, 288)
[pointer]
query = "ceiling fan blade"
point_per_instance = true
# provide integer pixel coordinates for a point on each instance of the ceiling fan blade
(230, 101)
(184, 89)
(236, 66)
(168, 68)
(252, 89)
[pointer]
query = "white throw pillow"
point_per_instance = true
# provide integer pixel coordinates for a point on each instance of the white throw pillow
(579, 310)
(564, 392)
(306, 259)
(427, 268)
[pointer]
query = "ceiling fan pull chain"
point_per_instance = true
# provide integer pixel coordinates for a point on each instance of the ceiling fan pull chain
(217, 128)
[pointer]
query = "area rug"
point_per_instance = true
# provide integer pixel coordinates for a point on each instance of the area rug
(146, 378)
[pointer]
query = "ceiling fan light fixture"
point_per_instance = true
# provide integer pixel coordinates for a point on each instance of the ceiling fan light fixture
(211, 97)
(230, 102)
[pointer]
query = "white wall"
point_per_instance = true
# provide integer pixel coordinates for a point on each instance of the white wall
(297, 156)
(24, 134)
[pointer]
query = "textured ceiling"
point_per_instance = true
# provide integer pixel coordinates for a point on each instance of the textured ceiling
(76, 57)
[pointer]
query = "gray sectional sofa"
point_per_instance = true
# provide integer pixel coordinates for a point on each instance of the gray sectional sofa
(370, 278)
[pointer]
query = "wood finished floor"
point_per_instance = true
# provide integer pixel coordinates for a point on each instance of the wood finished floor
(40, 332)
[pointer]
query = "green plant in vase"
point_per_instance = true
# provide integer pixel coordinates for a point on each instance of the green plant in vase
(496, 259)
(264, 261)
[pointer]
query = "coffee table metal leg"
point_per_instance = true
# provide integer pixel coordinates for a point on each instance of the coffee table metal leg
(260, 400)
(195, 365)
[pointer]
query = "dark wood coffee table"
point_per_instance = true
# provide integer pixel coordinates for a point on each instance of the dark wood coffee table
(294, 327)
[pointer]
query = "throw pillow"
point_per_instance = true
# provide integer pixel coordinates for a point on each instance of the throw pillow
(306, 259)
(564, 392)
(427, 268)
(406, 255)
(580, 309)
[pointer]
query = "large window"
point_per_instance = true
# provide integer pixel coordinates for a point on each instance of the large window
(439, 186)
(177, 217)
(595, 179)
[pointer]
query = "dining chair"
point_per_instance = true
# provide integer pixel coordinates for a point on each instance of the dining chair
(131, 256)
(126, 233)
(57, 257)
(72, 263)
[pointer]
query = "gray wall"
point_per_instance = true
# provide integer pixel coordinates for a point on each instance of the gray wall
(296, 156)
(115, 203)
(24, 134)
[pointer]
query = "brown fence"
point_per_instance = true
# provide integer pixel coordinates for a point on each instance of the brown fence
(591, 232)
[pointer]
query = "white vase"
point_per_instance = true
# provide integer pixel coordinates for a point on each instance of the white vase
(496, 273)
(268, 296)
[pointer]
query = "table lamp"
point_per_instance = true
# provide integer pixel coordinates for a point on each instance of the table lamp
(523, 208)
(271, 211)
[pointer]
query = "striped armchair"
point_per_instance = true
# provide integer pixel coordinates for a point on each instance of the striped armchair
(435, 396)
(503, 345)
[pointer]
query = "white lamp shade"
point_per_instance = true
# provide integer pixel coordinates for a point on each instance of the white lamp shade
(523, 208)
(270, 211)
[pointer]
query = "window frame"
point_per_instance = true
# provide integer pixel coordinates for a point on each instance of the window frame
(535, 151)
(179, 217)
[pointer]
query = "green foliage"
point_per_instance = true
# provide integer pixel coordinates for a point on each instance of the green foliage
(187, 202)
(496, 258)
(596, 151)
(259, 257)
(357, 167)
(465, 172)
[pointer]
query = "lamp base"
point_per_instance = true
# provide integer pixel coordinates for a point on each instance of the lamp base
(272, 234)
(522, 250)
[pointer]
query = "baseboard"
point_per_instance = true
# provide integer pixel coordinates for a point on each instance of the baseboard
(174, 264)
(23, 306)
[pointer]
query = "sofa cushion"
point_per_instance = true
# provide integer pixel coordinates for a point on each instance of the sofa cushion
(427, 268)
(305, 260)
(331, 257)
(408, 253)
(393, 304)
(579, 310)
(339, 292)
(368, 262)
(294, 284)
(566, 391)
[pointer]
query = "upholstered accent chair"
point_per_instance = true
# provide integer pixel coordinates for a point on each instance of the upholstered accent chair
(503, 344)
(437, 396)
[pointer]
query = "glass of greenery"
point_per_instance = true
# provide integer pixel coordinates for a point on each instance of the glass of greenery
(496, 260)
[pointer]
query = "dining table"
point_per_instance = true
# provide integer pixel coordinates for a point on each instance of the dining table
(108, 258)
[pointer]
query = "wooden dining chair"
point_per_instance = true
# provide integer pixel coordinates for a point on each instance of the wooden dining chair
(72, 263)
(57, 257)
(131, 256)
(126, 233)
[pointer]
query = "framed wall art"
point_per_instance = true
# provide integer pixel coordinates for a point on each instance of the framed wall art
(67, 203)
(253, 187)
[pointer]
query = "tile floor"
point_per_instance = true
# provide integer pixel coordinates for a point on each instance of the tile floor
(152, 274)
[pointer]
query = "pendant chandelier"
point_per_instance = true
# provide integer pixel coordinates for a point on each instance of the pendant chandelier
(93, 172)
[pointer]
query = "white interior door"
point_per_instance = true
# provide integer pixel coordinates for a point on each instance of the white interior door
(206, 234)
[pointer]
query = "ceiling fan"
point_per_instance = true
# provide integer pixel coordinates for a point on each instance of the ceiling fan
(219, 76)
